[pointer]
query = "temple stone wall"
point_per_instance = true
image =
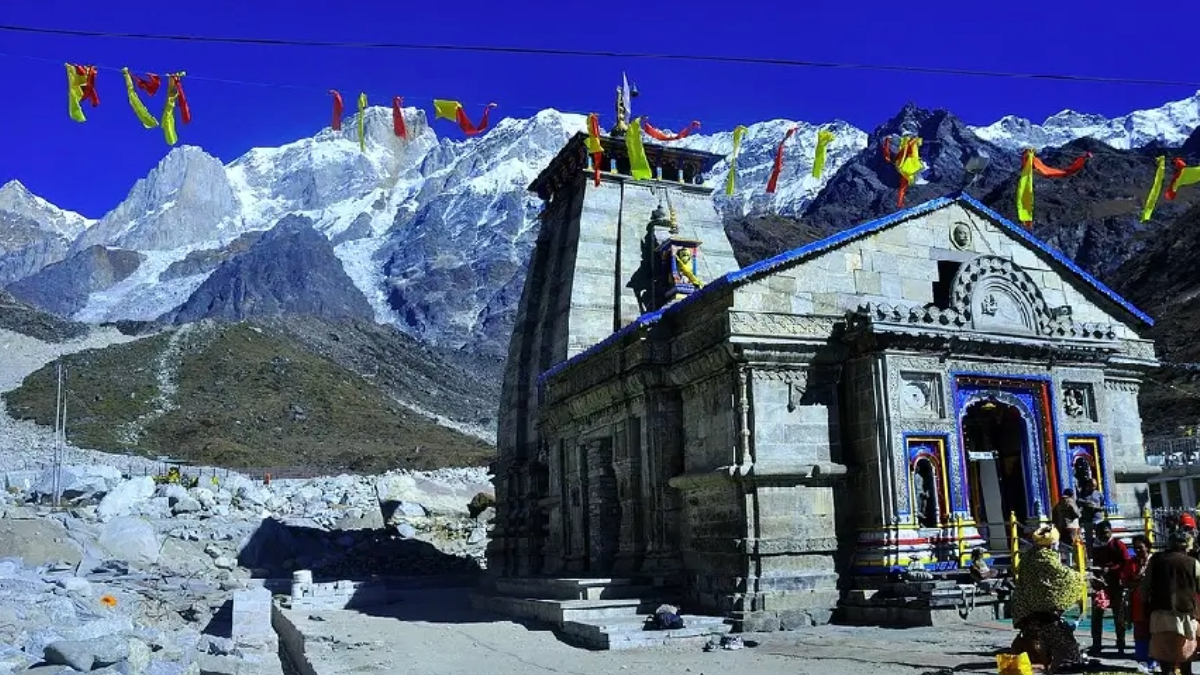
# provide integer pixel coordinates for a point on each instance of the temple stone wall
(710, 433)
(596, 285)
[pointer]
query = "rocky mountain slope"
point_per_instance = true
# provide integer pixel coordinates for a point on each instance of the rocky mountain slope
(23, 319)
(242, 395)
(291, 270)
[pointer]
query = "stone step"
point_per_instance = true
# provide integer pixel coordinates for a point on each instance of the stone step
(558, 612)
(630, 633)
(571, 589)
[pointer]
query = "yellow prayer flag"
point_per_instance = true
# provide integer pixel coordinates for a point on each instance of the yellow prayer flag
(362, 115)
(823, 139)
(168, 113)
(1025, 190)
(731, 179)
(446, 110)
(910, 164)
(639, 166)
(1188, 176)
(1160, 172)
(139, 108)
(75, 82)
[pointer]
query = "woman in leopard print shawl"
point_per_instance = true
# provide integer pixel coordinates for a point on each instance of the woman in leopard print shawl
(1045, 588)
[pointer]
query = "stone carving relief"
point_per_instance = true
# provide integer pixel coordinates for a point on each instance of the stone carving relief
(778, 324)
(994, 293)
(960, 236)
(921, 394)
(1078, 401)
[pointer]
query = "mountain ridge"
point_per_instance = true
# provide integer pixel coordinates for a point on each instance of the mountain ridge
(435, 234)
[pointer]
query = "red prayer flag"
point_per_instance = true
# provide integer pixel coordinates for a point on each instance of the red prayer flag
(339, 107)
(774, 179)
(398, 117)
(660, 135)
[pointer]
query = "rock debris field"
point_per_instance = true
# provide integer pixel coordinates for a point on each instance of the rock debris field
(132, 576)
(127, 575)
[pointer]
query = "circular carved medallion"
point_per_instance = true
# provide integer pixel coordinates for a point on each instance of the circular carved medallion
(915, 395)
(960, 236)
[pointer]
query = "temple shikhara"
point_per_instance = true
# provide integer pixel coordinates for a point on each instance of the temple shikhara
(778, 443)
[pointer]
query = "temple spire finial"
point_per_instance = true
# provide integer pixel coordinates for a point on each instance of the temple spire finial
(625, 93)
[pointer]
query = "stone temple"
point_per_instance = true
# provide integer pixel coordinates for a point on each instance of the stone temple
(776, 443)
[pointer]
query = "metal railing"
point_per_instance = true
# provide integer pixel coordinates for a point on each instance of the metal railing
(1173, 452)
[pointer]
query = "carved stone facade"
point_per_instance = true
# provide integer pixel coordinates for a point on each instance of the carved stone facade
(804, 425)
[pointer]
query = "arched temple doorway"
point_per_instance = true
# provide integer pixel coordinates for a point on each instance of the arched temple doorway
(996, 443)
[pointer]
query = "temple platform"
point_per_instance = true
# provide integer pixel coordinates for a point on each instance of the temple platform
(945, 600)
(597, 613)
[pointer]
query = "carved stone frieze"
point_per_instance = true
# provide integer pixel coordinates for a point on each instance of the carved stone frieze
(1139, 349)
(938, 320)
(797, 377)
(701, 336)
(776, 324)
(1122, 385)
(711, 362)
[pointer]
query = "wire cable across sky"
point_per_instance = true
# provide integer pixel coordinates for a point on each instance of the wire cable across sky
(535, 51)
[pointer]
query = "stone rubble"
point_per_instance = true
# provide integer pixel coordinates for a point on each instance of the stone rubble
(133, 577)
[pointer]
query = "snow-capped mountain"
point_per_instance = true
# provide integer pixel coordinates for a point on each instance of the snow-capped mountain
(16, 199)
(1168, 125)
(33, 232)
(434, 233)
(756, 158)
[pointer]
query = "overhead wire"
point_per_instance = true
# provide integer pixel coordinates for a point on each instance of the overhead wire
(544, 51)
(411, 97)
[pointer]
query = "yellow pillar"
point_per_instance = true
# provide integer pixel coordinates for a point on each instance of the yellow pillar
(1148, 524)
(1014, 542)
(958, 533)
(1081, 564)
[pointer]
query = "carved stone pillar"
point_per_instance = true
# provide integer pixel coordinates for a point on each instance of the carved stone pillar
(664, 454)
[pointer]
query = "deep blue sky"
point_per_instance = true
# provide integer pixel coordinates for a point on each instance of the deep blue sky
(90, 167)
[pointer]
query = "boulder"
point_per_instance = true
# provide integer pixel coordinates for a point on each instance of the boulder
(184, 504)
(79, 482)
(125, 497)
(132, 540)
(85, 655)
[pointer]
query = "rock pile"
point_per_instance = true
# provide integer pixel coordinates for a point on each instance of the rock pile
(130, 576)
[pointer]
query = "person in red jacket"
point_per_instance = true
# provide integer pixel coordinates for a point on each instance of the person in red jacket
(1111, 555)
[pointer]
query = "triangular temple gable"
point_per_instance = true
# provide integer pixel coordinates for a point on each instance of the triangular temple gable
(1011, 282)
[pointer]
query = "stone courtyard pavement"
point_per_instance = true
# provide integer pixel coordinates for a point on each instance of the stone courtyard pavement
(453, 640)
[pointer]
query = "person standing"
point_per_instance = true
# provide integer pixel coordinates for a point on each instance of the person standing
(1169, 586)
(1111, 555)
(1091, 508)
(1131, 579)
(1066, 515)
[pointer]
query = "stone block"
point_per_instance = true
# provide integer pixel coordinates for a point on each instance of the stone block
(867, 282)
(252, 615)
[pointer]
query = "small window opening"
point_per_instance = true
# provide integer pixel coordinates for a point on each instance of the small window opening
(942, 287)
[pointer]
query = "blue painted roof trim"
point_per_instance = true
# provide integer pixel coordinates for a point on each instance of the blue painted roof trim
(762, 267)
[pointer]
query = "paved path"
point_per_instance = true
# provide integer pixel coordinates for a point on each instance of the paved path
(452, 639)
